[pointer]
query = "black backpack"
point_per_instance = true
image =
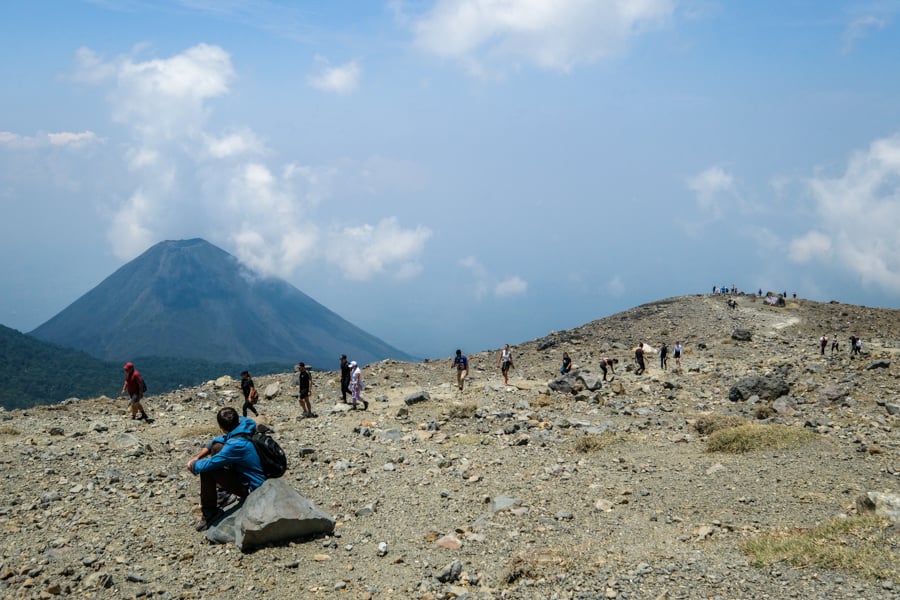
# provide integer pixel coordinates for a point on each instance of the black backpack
(271, 456)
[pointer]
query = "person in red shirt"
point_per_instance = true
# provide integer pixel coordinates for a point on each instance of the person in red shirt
(134, 384)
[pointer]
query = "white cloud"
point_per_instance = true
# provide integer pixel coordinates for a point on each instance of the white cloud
(234, 144)
(810, 246)
(491, 35)
(343, 79)
(161, 99)
(486, 283)
(859, 27)
(712, 187)
(60, 139)
(857, 216)
(191, 182)
(365, 251)
(511, 286)
(615, 286)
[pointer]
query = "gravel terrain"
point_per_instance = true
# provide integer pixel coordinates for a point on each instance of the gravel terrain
(482, 493)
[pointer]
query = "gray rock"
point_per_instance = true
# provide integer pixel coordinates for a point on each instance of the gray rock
(589, 380)
(767, 388)
(273, 513)
(566, 384)
(272, 390)
(742, 335)
(879, 364)
(833, 393)
(450, 573)
(417, 397)
(785, 406)
(881, 503)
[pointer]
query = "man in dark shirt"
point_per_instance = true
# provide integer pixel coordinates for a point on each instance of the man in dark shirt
(345, 378)
(639, 357)
(305, 387)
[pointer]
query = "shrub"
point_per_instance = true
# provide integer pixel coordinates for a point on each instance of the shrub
(860, 545)
(746, 438)
(708, 424)
(591, 442)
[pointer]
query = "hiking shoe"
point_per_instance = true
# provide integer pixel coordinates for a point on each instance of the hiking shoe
(365, 405)
(205, 522)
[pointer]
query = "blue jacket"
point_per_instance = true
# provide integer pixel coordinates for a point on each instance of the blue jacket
(238, 454)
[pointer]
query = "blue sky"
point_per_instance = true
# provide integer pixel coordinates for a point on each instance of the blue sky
(456, 173)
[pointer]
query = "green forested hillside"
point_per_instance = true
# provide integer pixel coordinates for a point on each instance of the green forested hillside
(33, 372)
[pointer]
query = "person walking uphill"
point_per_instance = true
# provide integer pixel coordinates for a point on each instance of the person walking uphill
(236, 467)
(345, 378)
(639, 358)
(356, 386)
(305, 380)
(251, 395)
(505, 363)
(461, 362)
(134, 384)
(663, 356)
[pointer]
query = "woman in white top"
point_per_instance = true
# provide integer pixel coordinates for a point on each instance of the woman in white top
(505, 363)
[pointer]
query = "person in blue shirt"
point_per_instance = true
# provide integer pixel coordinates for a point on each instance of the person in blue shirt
(461, 362)
(232, 464)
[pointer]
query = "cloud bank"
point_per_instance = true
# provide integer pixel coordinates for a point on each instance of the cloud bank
(191, 180)
(856, 217)
(486, 35)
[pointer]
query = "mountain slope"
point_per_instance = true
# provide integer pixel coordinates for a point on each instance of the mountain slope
(190, 299)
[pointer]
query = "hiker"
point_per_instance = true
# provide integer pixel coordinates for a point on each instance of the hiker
(305, 380)
(566, 364)
(345, 378)
(134, 384)
(676, 352)
(852, 345)
(235, 466)
(663, 355)
(823, 342)
(461, 362)
(857, 347)
(356, 386)
(639, 358)
(835, 345)
(505, 363)
(608, 363)
(251, 395)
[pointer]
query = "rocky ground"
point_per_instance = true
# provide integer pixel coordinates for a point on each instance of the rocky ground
(484, 493)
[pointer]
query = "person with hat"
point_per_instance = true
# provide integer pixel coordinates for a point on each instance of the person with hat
(356, 386)
(305, 380)
(134, 384)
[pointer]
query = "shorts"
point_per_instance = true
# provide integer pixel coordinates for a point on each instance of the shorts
(134, 399)
(505, 367)
(304, 394)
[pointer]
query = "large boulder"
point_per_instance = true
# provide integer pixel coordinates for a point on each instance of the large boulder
(566, 384)
(273, 513)
(742, 335)
(589, 380)
(767, 388)
(417, 397)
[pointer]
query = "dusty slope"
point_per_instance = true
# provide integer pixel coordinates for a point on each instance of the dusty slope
(91, 500)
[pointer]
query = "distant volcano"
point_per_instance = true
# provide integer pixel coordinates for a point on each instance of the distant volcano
(190, 299)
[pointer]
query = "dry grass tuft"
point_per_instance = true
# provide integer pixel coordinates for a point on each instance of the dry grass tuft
(7, 430)
(709, 424)
(541, 401)
(463, 411)
(201, 432)
(746, 438)
(864, 546)
(538, 564)
(591, 442)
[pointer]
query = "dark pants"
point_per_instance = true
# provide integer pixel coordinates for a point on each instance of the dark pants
(210, 481)
(345, 388)
(247, 406)
(640, 369)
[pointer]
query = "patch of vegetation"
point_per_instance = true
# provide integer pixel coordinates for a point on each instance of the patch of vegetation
(546, 562)
(864, 546)
(198, 432)
(746, 438)
(7, 430)
(463, 411)
(541, 401)
(711, 423)
(468, 439)
(764, 411)
(591, 442)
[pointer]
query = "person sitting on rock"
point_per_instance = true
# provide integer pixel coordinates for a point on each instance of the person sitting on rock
(236, 467)
(566, 364)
